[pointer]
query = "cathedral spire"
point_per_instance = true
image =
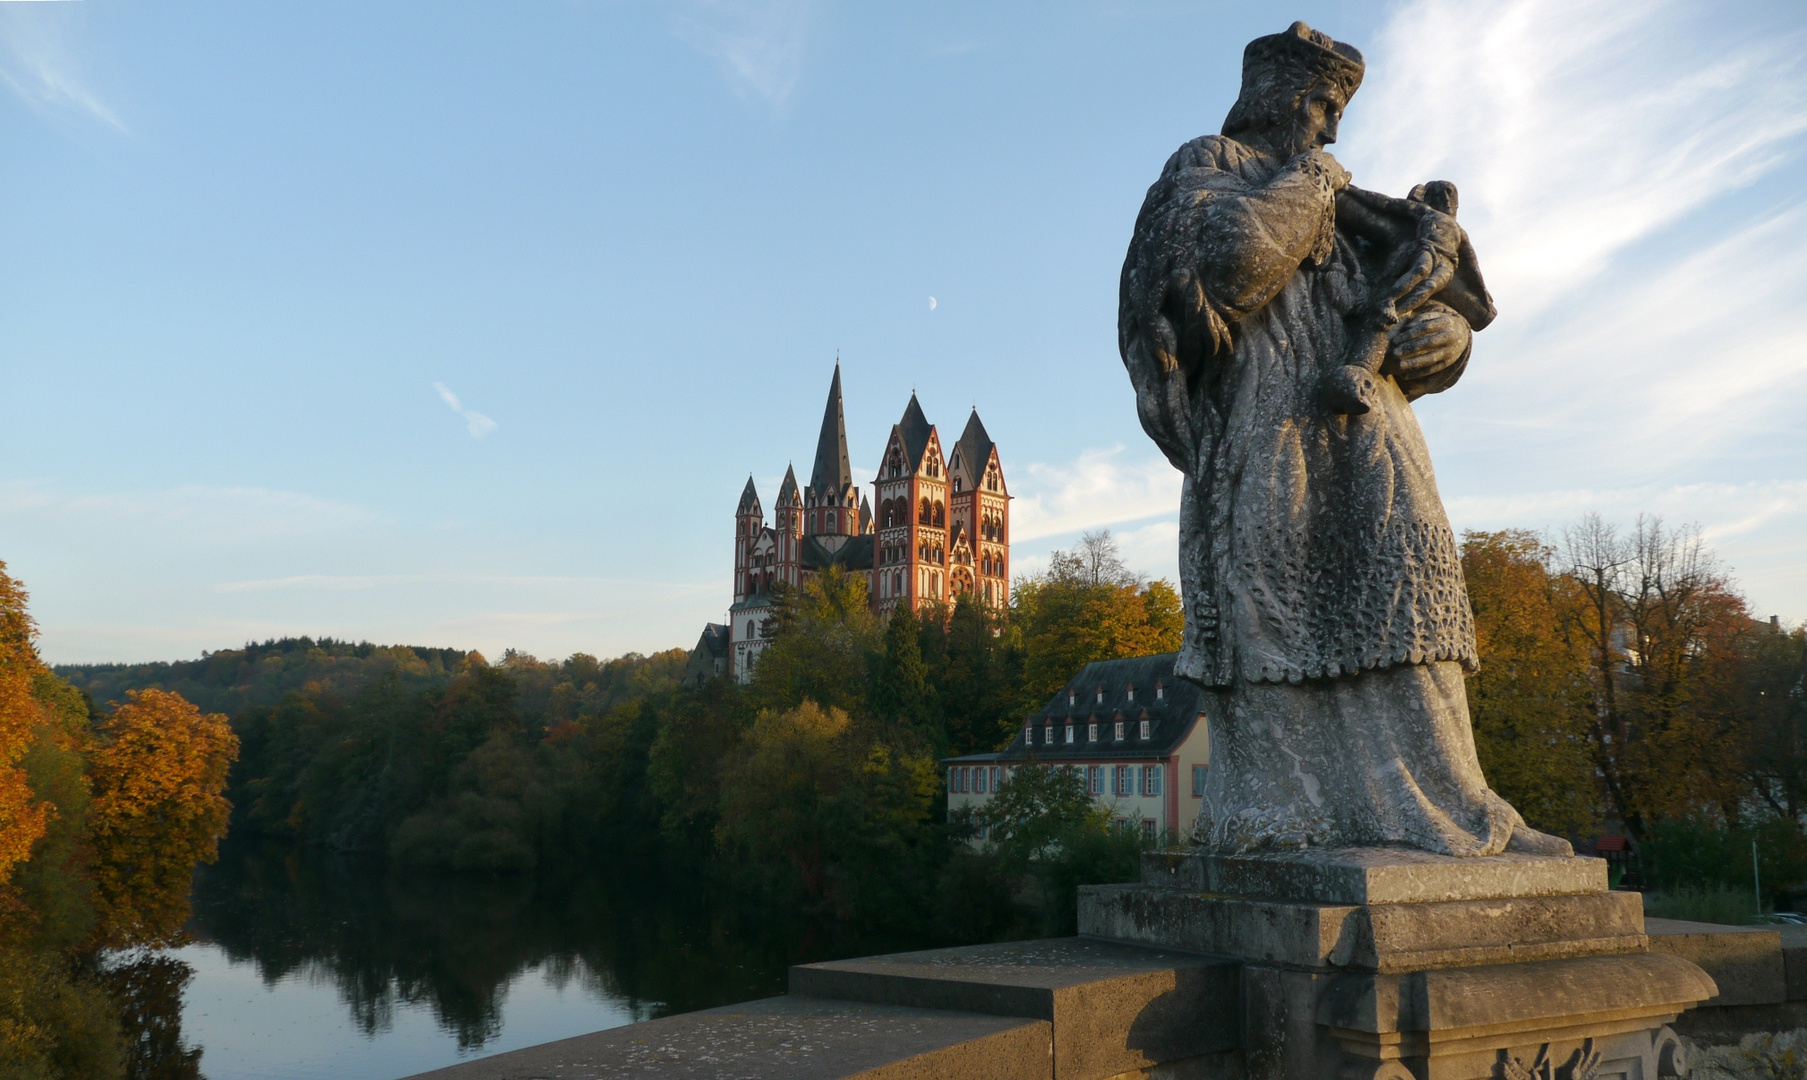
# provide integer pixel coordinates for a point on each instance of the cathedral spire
(832, 472)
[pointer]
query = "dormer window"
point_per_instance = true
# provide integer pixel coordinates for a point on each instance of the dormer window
(1160, 692)
(1091, 732)
(1048, 735)
(1072, 699)
(1143, 734)
(1131, 691)
(1101, 695)
(1069, 734)
(1028, 735)
(1119, 730)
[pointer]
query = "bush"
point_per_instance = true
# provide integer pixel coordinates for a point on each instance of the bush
(1691, 854)
(1713, 904)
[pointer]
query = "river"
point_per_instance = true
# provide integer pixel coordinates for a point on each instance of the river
(306, 965)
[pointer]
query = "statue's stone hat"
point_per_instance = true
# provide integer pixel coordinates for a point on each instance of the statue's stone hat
(1279, 68)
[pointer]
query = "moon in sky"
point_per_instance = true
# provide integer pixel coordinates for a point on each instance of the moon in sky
(931, 303)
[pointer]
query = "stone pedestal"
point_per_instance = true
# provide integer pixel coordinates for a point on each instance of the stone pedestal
(1371, 963)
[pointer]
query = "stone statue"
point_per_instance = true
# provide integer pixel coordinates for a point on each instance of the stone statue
(1276, 323)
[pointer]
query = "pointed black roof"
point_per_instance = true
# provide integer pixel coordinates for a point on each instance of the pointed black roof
(865, 515)
(749, 499)
(915, 428)
(975, 447)
(832, 472)
(788, 489)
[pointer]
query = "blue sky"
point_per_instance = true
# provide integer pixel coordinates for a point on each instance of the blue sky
(461, 324)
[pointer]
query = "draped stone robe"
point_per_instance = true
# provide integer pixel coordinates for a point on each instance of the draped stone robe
(1322, 584)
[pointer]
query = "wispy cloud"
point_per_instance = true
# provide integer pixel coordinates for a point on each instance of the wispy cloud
(1574, 128)
(191, 515)
(1097, 489)
(474, 422)
(37, 64)
(360, 582)
(758, 43)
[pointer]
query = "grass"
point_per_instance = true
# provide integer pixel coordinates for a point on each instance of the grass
(1722, 904)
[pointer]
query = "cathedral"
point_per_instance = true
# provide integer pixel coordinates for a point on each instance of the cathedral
(942, 529)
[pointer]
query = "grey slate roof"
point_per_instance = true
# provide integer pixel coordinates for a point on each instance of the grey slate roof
(749, 498)
(855, 554)
(975, 448)
(865, 515)
(1171, 717)
(832, 473)
(788, 489)
(915, 429)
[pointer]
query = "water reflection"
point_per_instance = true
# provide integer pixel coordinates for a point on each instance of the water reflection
(637, 943)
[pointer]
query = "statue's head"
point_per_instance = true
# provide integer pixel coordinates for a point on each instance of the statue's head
(1294, 87)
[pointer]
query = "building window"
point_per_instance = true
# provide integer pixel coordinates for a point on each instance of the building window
(1094, 779)
(749, 629)
(1143, 732)
(1151, 779)
(831, 527)
(1198, 781)
(1048, 738)
(1069, 734)
(979, 786)
(1120, 824)
(1160, 692)
(1119, 732)
(1120, 781)
(1070, 698)
(1148, 829)
(953, 778)
(1028, 735)
(1091, 732)
(1131, 691)
(996, 776)
(1101, 695)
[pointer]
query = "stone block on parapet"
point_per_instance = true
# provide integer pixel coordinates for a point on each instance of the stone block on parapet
(1115, 1008)
(1746, 961)
(787, 1038)
(1372, 875)
(1598, 1015)
(1373, 937)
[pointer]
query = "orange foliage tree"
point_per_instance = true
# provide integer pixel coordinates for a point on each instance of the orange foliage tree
(158, 767)
(22, 816)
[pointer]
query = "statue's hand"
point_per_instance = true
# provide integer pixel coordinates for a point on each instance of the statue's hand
(1427, 342)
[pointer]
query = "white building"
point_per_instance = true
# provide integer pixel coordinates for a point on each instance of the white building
(1136, 733)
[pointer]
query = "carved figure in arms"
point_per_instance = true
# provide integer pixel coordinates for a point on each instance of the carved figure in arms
(1277, 322)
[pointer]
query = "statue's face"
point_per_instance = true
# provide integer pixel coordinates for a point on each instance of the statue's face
(1319, 113)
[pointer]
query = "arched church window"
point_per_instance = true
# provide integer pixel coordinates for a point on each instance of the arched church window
(940, 514)
(831, 522)
(926, 513)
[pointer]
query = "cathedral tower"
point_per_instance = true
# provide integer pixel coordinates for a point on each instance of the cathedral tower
(831, 501)
(979, 509)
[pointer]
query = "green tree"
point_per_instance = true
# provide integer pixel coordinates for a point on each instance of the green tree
(820, 647)
(900, 682)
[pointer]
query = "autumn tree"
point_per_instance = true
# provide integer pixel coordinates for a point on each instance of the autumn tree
(22, 814)
(1530, 700)
(1087, 607)
(1661, 625)
(158, 770)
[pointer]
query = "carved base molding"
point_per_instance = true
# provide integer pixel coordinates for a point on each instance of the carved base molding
(1376, 970)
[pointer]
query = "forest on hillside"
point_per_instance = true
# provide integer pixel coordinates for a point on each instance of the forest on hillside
(1623, 686)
